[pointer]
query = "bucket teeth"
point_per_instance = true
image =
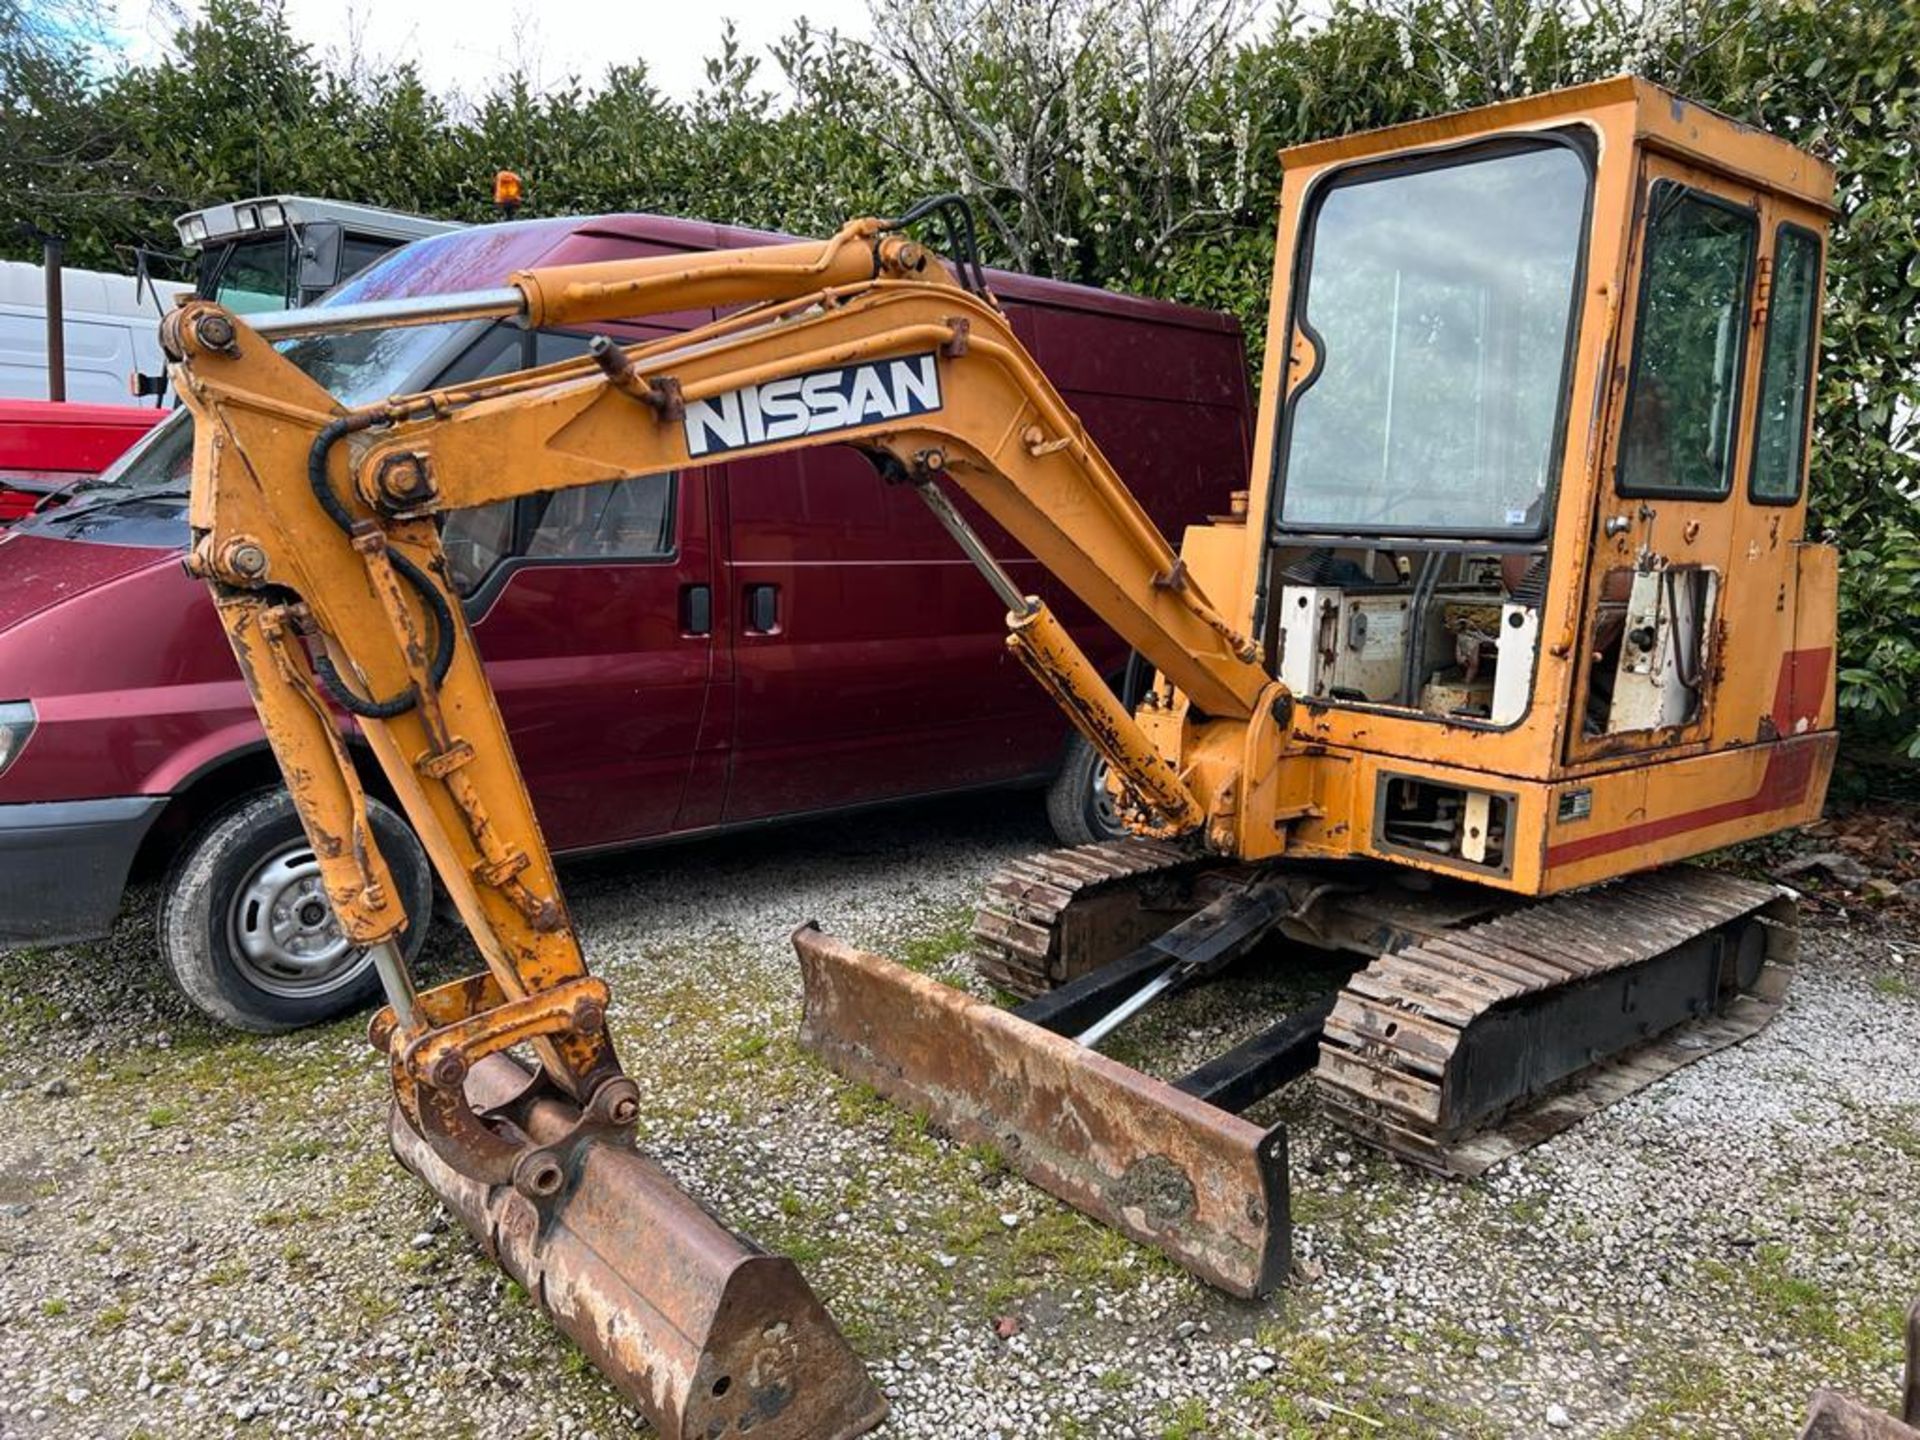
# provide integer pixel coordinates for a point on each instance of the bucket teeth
(706, 1333)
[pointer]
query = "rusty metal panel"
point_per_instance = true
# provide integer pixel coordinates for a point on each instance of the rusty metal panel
(704, 1332)
(1205, 1187)
(1836, 1417)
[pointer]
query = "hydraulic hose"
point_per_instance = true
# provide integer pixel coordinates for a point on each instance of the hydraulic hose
(443, 640)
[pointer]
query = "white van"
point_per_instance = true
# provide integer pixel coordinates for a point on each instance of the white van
(112, 329)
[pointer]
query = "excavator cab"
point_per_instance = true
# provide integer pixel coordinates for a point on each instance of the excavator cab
(1533, 477)
(1518, 613)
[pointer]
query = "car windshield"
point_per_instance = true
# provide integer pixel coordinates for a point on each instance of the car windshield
(1439, 301)
(144, 491)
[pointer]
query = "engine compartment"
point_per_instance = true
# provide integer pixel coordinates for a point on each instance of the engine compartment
(1449, 631)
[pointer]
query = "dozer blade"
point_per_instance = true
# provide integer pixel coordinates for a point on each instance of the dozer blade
(1204, 1186)
(708, 1335)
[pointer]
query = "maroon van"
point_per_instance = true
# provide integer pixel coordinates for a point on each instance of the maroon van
(675, 655)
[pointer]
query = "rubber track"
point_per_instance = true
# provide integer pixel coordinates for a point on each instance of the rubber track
(1018, 930)
(1399, 1024)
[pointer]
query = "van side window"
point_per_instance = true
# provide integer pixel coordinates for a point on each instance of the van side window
(628, 519)
(1786, 367)
(1684, 394)
(475, 541)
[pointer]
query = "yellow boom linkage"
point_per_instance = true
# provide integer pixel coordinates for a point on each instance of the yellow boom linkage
(316, 528)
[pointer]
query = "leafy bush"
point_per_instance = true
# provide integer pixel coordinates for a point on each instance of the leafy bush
(1129, 144)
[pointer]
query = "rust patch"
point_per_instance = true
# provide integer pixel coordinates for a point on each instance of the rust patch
(707, 1334)
(1159, 1187)
(1205, 1187)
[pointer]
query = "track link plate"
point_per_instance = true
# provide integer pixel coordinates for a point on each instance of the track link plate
(1051, 917)
(1470, 1046)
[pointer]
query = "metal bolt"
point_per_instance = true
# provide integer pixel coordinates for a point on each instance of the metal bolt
(404, 478)
(247, 559)
(589, 1018)
(449, 1071)
(624, 1111)
(215, 332)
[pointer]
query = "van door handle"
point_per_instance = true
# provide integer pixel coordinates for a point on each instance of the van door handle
(763, 609)
(696, 609)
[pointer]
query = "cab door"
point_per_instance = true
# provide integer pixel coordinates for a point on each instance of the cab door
(1673, 510)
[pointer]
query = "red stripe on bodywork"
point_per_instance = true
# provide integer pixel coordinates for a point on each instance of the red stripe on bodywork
(1796, 696)
(1789, 768)
(1801, 688)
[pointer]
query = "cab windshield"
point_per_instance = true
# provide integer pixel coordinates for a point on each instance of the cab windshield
(1440, 301)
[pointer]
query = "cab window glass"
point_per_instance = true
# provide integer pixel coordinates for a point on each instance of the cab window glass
(1685, 391)
(628, 519)
(357, 254)
(253, 275)
(1442, 302)
(1779, 446)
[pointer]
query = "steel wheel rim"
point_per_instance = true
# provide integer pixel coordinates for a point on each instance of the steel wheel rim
(282, 933)
(1106, 810)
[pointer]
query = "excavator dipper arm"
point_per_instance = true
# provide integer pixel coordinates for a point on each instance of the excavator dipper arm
(317, 530)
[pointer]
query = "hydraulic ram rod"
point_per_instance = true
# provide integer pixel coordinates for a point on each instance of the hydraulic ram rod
(503, 302)
(616, 290)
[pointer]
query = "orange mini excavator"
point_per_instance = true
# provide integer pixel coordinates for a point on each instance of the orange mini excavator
(1517, 615)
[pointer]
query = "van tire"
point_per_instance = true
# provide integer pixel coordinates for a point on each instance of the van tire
(236, 922)
(1079, 808)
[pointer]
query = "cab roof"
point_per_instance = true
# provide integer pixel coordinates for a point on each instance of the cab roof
(1659, 119)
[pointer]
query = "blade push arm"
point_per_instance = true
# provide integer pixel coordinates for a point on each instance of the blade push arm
(317, 530)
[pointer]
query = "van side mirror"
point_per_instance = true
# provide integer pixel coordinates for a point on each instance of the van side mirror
(320, 247)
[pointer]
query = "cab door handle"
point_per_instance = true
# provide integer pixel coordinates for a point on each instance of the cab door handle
(762, 609)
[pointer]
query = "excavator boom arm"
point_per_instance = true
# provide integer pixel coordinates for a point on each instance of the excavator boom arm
(317, 529)
(886, 352)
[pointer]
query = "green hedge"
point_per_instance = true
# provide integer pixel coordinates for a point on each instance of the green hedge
(239, 107)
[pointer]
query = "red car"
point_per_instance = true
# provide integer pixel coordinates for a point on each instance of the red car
(680, 655)
(48, 445)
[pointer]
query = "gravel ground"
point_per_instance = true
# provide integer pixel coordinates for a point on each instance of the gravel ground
(202, 1233)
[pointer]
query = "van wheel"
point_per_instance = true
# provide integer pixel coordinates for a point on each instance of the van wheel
(1079, 807)
(246, 929)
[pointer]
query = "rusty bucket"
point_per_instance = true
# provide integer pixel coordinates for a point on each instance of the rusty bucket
(1838, 1417)
(707, 1334)
(1204, 1186)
